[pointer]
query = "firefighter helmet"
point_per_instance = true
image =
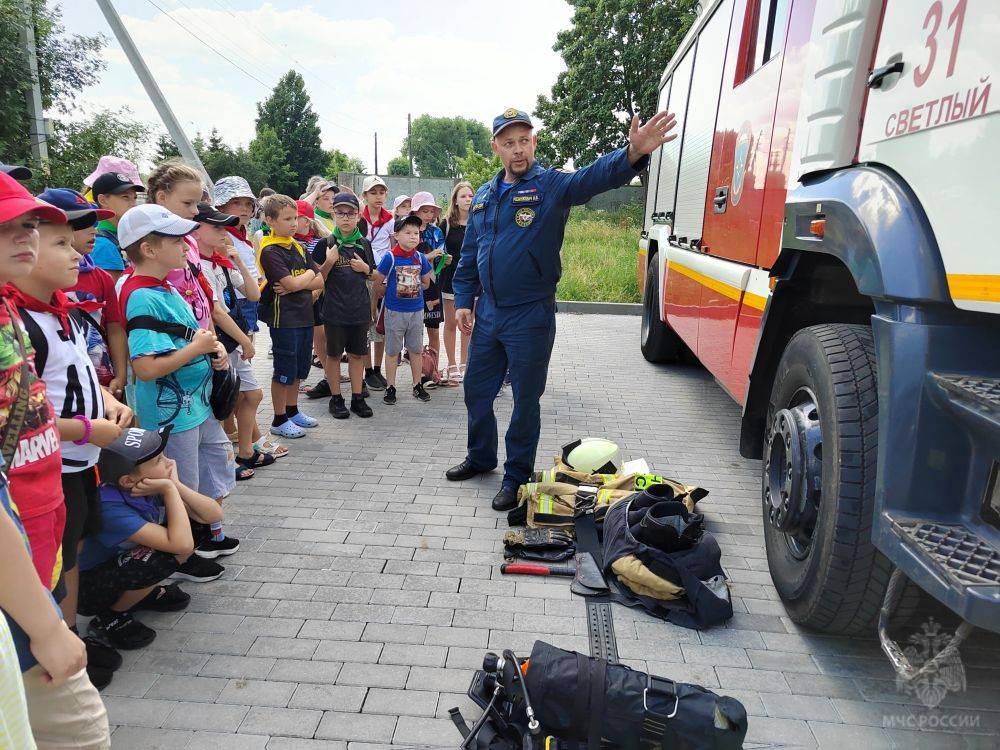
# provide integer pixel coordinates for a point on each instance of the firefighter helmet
(592, 456)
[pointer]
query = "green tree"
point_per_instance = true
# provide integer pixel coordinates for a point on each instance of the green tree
(614, 54)
(77, 145)
(67, 63)
(437, 142)
(476, 168)
(341, 162)
(268, 154)
(289, 113)
(165, 149)
(398, 166)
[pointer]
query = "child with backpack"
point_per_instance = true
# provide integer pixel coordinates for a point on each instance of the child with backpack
(408, 273)
(346, 264)
(173, 361)
(88, 416)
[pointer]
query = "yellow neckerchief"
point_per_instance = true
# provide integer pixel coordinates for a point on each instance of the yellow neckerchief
(269, 240)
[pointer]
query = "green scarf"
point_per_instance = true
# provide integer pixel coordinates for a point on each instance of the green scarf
(321, 212)
(107, 226)
(354, 239)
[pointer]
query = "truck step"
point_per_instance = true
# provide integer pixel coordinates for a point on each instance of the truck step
(961, 554)
(981, 394)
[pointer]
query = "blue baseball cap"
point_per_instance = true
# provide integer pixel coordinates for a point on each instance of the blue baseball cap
(510, 116)
(80, 212)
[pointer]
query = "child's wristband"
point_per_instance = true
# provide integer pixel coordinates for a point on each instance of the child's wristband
(88, 429)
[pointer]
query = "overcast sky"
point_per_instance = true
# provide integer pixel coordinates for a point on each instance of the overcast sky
(366, 65)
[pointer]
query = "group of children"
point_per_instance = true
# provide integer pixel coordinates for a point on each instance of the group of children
(115, 314)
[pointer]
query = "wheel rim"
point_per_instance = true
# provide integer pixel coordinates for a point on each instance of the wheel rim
(647, 307)
(793, 472)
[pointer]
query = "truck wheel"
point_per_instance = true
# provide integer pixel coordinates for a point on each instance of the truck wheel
(820, 446)
(658, 342)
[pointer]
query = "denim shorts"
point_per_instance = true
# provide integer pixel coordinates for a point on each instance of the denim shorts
(249, 310)
(292, 350)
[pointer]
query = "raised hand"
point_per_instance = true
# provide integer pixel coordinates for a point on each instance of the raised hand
(645, 139)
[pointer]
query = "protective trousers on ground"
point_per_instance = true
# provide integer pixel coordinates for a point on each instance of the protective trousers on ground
(517, 339)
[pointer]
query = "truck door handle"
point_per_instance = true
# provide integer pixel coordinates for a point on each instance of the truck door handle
(876, 77)
(720, 200)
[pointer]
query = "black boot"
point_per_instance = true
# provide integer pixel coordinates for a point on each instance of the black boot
(505, 499)
(320, 390)
(359, 407)
(464, 470)
(337, 408)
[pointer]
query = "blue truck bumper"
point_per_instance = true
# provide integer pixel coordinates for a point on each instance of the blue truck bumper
(937, 512)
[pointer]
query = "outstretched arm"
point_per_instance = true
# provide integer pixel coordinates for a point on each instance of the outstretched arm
(619, 167)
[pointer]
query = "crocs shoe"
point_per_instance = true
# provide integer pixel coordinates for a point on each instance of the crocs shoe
(304, 420)
(288, 430)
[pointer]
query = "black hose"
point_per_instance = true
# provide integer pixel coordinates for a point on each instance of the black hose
(480, 721)
(528, 710)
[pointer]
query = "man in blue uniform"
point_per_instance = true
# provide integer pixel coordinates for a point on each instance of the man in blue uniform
(509, 269)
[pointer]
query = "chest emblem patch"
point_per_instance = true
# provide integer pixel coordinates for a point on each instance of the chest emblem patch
(524, 216)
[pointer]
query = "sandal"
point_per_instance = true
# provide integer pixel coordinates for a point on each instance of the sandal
(243, 473)
(256, 460)
(454, 375)
(271, 448)
(316, 363)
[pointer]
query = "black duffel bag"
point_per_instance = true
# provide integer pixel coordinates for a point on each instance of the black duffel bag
(581, 699)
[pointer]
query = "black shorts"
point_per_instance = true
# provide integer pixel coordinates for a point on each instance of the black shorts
(132, 570)
(433, 316)
(83, 512)
(350, 339)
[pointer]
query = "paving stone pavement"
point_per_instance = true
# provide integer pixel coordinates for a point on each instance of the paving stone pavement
(366, 589)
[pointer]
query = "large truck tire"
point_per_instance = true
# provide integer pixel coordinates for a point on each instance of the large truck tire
(658, 342)
(820, 448)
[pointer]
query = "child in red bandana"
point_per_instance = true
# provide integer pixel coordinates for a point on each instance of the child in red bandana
(228, 274)
(87, 416)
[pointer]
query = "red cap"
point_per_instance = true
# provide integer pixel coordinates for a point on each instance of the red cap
(16, 201)
(305, 209)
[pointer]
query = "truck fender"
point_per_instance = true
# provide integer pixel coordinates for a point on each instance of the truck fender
(875, 226)
(877, 246)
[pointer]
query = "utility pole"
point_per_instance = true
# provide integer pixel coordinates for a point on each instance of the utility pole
(409, 147)
(152, 88)
(37, 134)
(376, 152)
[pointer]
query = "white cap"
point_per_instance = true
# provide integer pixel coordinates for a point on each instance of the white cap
(371, 181)
(149, 218)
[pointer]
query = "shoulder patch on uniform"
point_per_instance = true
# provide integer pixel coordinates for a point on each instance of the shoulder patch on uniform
(479, 206)
(524, 216)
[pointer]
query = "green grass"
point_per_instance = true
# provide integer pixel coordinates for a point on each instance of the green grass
(599, 255)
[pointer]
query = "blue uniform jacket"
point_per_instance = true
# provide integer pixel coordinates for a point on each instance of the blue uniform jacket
(511, 247)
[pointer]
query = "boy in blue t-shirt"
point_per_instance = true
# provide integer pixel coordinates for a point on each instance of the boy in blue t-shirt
(408, 273)
(145, 537)
(174, 375)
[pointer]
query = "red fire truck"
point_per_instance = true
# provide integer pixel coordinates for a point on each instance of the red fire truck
(817, 237)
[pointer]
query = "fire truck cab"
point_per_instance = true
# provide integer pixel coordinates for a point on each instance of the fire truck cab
(816, 237)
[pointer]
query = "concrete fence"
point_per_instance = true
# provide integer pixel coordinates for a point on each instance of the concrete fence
(440, 188)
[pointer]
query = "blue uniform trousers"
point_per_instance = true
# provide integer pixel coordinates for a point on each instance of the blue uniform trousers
(518, 339)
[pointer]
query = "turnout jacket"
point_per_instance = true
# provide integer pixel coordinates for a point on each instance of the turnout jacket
(511, 247)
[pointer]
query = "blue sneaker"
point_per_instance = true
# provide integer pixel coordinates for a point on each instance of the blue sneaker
(304, 420)
(288, 430)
